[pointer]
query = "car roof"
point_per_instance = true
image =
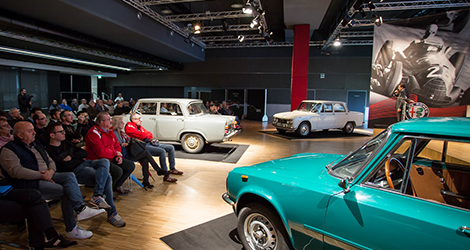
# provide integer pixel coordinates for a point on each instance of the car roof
(181, 100)
(322, 101)
(445, 126)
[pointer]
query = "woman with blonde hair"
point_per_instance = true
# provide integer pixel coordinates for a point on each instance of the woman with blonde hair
(143, 157)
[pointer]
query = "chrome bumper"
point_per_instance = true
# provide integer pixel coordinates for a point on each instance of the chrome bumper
(227, 199)
(230, 135)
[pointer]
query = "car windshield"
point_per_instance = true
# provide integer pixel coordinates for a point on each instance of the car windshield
(350, 164)
(309, 106)
(196, 108)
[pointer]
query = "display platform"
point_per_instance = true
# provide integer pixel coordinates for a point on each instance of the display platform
(332, 133)
(223, 152)
(220, 233)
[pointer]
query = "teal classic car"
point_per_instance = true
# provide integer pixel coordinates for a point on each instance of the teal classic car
(407, 188)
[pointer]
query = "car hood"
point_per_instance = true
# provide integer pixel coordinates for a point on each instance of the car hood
(293, 114)
(307, 166)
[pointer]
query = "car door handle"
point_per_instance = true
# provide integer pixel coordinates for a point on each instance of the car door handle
(464, 229)
(152, 118)
(180, 120)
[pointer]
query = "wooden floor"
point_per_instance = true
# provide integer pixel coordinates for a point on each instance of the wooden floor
(195, 199)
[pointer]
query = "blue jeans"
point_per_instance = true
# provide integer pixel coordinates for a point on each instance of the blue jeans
(161, 151)
(66, 189)
(96, 173)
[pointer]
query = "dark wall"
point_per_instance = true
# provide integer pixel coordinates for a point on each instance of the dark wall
(345, 69)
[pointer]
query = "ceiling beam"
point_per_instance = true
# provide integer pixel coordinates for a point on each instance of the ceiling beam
(162, 20)
(160, 2)
(219, 28)
(207, 16)
(386, 6)
(283, 44)
(229, 38)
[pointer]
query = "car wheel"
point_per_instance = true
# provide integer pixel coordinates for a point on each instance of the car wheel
(259, 228)
(192, 143)
(281, 131)
(303, 129)
(349, 128)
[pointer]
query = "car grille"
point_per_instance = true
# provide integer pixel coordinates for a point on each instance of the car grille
(283, 123)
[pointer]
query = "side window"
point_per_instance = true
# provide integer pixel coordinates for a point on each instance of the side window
(390, 173)
(148, 108)
(440, 172)
(327, 108)
(339, 107)
(170, 108)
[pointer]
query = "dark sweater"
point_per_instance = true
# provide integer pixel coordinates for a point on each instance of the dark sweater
(66, 148)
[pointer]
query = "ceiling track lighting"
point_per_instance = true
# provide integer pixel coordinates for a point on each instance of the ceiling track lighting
(337, 42)
(377, 20)
(241, 38)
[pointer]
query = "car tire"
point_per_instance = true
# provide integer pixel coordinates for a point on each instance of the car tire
(304, 129)
(192, 143)
(281, 131)
(270, 232)
(349, 128)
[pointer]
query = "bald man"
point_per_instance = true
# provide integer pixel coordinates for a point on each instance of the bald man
(27, 165)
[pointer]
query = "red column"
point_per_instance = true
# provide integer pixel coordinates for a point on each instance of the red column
(299, 77)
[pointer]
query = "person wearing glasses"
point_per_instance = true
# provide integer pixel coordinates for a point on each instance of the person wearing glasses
(26, 164)
(5, 129)
(101, 143)
(40, 122)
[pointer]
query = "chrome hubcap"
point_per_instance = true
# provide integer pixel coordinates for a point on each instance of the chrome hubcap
(304, 129)
(259, 232)
(192, 142)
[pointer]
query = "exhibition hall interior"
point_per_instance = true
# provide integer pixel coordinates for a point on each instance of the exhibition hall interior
(234, 124)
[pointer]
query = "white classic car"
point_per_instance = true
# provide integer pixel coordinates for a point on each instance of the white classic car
(318, 115)
(184, 120)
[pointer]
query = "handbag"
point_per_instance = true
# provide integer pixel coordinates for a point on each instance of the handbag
(136, 147)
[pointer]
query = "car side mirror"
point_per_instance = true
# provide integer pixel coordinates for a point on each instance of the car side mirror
(344, 184)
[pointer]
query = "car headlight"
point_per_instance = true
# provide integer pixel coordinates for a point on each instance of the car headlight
(275, 119)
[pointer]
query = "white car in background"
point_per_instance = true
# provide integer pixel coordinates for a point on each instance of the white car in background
(318, 115)
(184, 120)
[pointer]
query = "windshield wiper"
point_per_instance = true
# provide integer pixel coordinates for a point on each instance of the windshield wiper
(331, 163)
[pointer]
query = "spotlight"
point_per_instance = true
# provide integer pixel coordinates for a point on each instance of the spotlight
(225, 25)
(337, 42)
(139, 15)
(371, 5)
(172, 33)
(166, 10)
(377, 20)
(241, 38)
(247, 10)
(197, 27)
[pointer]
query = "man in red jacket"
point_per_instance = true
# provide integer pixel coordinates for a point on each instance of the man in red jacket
(135, 130)
(102, 143)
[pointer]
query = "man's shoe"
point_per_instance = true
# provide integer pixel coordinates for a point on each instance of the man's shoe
(116, 220)
(59, 241)
(176, 172)
(121, 191)
(79, 233)
(88, 213)
(169, 179)
(147, 185)
(99, 202)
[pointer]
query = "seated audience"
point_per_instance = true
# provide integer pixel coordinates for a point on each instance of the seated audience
(135, 130)
(64, 105)
(32, 112)
(119, 98)
(119, 110)
(83, 123)
(69, 158)
(55, 115)
(110, 106)
(71, 134)
(40, 127)
(20, 204)
(83, 106)
(101, 143)
(15, 116)
(213, 109)
(74, 105)
(54, 105)
(100, 106)
(144, 157)
(3, 114)
(27, 165)
(5, 132)
(92, 111)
